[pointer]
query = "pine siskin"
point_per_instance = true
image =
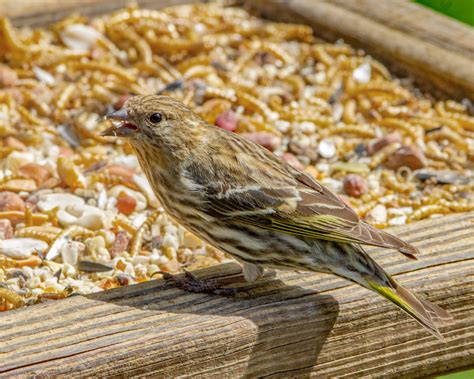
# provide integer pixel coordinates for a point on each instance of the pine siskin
(245, 201)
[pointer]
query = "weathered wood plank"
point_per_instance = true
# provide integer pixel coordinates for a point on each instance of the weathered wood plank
(416, 20)
(43, 12)
(293, 324)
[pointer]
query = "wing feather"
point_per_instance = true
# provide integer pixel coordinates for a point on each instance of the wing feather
(280, 198)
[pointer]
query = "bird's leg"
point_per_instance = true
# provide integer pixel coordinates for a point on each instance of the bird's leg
(189, 282)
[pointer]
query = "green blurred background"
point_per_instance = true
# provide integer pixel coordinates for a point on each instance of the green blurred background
(463, 10)
(459, 375)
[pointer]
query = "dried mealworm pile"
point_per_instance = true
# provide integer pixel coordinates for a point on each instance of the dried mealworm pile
(78, 216)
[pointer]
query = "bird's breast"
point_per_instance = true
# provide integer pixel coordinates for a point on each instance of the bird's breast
(177, 200)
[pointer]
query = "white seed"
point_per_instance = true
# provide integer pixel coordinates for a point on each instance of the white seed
(90, 122)
(53, 266)
(83, 215)
(111, 203)
(127, 160)
(171, 229)
(152, 269)
(70, 252)
(80, 36)
(109, 237)
(399, 211)
(170, 240)
(36, 291)
(141, 259)
(28, 271)
(377, 215)
(282, 125)
(337, 112)
(362, 73)
(62, 200)
(103, 256)
(93, 221)
(319, 77)
(44, 76)
(16, 159)
(102, 199)
(139, 219)
(66, 218)
(374, 184)
(306, 127)
(145, 187)
(22, 248)
(400, 220)
(332, 184)
(327, 149)
(322, 167)
(93, 244)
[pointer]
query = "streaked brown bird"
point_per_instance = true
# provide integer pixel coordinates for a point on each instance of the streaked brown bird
(244, 200)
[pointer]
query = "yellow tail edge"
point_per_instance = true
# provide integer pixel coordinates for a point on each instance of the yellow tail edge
(425, 313)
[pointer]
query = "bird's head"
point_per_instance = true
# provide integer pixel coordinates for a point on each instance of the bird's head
(151, 118)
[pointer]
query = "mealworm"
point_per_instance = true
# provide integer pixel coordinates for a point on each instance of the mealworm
(12, 297)
(105, 68)
(362, 131)
(383, 87)
(391, 181)
(380, 156)
(465, 120)
(125, 225)
(447, 134)
(47, 234)
(426, 211)
(73, 231)
(348, 115)
(18, 216)
(402, 126)
(112, 180)
(137, 241)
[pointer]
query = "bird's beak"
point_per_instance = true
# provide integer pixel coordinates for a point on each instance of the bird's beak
(124, 128)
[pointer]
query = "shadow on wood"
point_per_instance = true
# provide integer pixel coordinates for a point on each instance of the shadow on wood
(288, 326)
(294, 324)
(278, 328)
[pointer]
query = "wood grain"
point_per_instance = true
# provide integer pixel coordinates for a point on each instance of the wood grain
(43, 12)
(291, 324)
(416, 20)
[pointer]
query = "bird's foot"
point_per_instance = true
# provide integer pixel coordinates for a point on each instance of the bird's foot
(191, 283)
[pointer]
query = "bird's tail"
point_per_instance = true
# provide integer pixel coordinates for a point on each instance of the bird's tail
(427, 314)
(370, 275)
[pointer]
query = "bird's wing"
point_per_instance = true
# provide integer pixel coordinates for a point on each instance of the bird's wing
(283, 199)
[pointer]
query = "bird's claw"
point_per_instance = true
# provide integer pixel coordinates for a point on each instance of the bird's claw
(191, 283)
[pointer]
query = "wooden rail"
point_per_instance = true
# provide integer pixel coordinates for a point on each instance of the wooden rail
(291, 324)
(416, 20)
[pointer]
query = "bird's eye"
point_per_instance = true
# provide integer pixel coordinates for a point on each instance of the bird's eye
(156, 118)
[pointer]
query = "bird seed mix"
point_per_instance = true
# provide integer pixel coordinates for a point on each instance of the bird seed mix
(78, 216)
